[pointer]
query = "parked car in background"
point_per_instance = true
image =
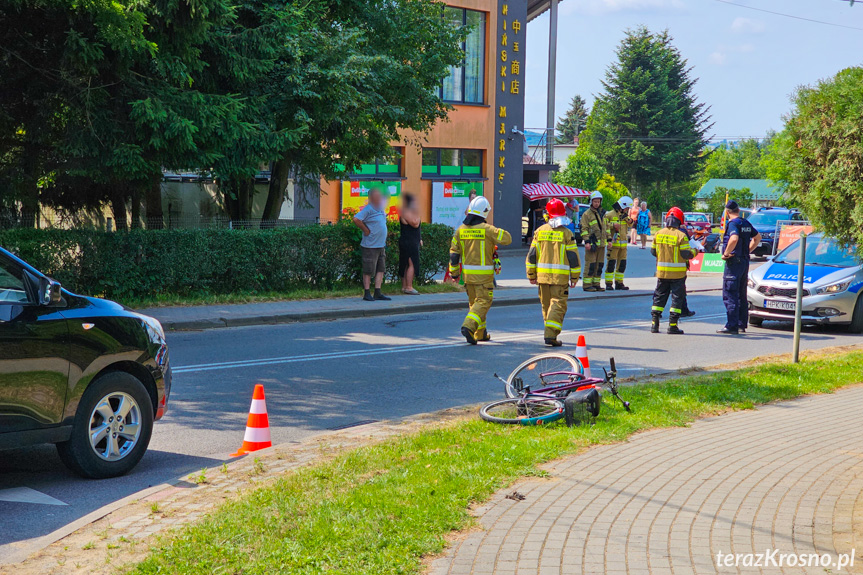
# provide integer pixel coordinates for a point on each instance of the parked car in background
(764, 220)
(697, 220)
(832, 282)
(85, 374)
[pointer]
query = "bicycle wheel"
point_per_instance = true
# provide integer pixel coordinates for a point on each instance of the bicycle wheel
(529, 410)
(531, 373)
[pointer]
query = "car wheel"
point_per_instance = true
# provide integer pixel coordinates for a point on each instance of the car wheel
(756, 321)
(856, 325)
(112, 427)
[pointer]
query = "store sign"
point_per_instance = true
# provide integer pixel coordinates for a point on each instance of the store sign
(355, 195)
(450, 200)
(707, 263)
(788, 233)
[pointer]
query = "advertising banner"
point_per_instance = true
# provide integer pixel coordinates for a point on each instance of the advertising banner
(710, 263)
(450, 200)
(789, 232)
(355, 195)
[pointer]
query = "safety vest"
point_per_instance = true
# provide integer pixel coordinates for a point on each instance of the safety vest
(619, 239)
(474, 246)
(671, 248)
(553, 256)
(593, 224)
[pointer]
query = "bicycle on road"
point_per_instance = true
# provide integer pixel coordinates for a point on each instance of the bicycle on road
(538, 388)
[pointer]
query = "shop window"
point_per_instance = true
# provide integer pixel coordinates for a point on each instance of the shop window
(452, 163)
(389, 166)
(466, 82)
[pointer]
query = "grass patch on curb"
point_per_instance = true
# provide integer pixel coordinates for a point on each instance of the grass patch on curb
(293, 295)
(382, 508)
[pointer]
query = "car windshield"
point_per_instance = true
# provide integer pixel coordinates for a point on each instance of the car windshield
(765, 219)
(696, 218)
(821, 251)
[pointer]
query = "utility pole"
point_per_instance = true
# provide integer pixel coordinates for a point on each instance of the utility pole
(552, 71)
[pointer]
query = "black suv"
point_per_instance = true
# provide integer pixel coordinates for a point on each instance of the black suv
(83, 373)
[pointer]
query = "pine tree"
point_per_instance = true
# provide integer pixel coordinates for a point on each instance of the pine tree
(573, 122)
(647, 126)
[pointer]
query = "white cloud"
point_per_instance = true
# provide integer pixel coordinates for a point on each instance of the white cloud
(718, 58)
(594, 7)
(747, 26)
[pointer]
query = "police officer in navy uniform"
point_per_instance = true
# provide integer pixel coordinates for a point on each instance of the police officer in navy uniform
(738, 242)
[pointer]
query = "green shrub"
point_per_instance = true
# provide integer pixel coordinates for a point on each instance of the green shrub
(145, 263)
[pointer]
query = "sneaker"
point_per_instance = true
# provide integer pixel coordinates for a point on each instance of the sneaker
(382, 297)
(726, 331)
(620, 287)
(553, 342)
(411, 291)
(468, 335)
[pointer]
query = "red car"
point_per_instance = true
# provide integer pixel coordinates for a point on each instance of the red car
(697, 220)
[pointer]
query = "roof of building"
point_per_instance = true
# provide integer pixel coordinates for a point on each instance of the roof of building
(760, 189)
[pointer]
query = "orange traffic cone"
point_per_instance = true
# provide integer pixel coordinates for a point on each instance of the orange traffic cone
(258, 426)
(581, 355)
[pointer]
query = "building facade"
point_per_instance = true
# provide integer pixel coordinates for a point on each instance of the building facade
(479, 148)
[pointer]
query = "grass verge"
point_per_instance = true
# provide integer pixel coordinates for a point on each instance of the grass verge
(165, 300)
(380, 509)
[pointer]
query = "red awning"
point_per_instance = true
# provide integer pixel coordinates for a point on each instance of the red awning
(549, 190)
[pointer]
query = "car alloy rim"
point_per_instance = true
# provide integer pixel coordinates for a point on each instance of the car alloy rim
(115, 426)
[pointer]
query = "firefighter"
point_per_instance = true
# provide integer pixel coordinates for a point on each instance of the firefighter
(472, 251)
(672, 250)
(617, 222)
(553, 264)
(594, 234)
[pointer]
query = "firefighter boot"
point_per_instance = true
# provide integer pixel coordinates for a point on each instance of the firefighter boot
(468, 335)
(654, 324)
(672, 324)
(553, 342)
(620, 287)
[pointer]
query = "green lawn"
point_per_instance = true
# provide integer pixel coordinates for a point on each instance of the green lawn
(380, 509)
(298, 294)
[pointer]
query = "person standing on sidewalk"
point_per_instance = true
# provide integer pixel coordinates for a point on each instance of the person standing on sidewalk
(553, 264)
(472, 248)
(593, 232)
(643, 224)
(633, 215)
(738, 242)
(410, 242)
(672, 250)
(372, 220)
(617, 222)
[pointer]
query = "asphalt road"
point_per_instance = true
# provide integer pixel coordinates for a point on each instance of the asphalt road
(320, 376)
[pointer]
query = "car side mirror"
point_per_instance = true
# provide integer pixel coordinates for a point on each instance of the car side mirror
(50, 291)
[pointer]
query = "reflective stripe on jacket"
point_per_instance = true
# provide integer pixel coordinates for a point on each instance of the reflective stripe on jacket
(619, 238)
(671, 248)
(592, 223)
(472, 248)
(553, 256)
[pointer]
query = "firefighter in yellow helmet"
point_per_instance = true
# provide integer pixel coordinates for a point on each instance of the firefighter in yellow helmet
(672, 250)
(618, 222)
(594, 231)
(553, 264)
(472, 249)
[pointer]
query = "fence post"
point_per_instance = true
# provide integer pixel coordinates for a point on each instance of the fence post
(798, 308)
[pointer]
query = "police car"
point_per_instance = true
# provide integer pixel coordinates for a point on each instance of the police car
(832, 284)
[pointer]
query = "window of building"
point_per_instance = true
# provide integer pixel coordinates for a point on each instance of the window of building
(389, 166)
(466, 82)
(452, 163)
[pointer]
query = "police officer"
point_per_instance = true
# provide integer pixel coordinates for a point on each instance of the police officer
(672, 250)
(594, 232)
(472, 252)
(617, 222)
(552, 263)
(739, 240)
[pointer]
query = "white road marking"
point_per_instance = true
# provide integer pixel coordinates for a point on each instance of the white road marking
(27, 495)
(517, 336)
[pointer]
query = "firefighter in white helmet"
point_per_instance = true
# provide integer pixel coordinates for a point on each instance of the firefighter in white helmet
(472, 252)
(618, 223)
(594, 232)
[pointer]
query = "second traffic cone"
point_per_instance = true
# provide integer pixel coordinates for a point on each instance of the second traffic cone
(581, 355)
(258, 425)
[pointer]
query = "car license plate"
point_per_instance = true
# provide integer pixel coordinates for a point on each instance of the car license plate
(786, 305)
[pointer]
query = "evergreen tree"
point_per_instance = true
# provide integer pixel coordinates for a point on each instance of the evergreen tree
(647, 126)
(573, 122)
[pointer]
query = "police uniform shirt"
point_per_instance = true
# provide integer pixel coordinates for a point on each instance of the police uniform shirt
(744, 232)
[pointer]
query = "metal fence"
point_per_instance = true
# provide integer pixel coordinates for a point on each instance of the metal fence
(100, 221)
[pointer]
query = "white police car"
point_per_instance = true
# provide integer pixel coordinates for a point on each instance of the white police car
(832, 283)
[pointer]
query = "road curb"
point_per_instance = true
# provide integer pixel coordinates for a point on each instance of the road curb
(329, 315)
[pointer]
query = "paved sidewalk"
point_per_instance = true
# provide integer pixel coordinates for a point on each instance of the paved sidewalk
(788, 476)
(511, 292)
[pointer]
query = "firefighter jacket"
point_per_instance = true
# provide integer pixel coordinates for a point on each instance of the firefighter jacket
(593, 225)
(473, 248)
(553, 256)
(672, 251)
(620, 238)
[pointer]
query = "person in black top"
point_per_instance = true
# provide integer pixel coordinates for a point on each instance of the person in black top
(739, 240)
(410, 241)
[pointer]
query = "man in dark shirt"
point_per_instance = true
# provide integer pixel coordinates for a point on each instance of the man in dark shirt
(739, 240)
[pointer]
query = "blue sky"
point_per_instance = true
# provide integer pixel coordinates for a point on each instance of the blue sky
(748, 62)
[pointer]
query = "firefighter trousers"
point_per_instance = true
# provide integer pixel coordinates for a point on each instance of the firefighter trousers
(594, 261)
(479, 296)
(554, 299)
(616, 264)
(677, 290)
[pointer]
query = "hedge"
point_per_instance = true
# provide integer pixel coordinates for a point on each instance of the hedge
(146, 263)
